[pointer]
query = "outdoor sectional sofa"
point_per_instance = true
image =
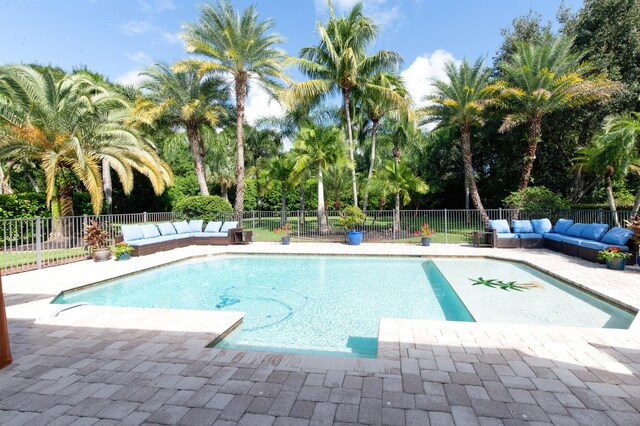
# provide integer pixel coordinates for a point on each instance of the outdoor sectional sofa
(575, 239)
(151, 238)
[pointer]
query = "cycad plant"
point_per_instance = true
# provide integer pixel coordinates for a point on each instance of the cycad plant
(238, 46)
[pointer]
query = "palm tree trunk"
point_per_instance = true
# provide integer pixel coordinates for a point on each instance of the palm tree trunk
(323, 227)
(301, 220)
(5, 188)
(533, 138)
(610, 198)
(258, 195)
(354, 188)
(372, 160)
(197, 153)
(224, 191)
(396, 216)
(241, 94)
(636, 204)
(283, 206)
(469, 175)
(33, 182)
(107, 186)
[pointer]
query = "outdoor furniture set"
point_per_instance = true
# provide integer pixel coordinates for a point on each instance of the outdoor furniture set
(152, 238)
(575, 239)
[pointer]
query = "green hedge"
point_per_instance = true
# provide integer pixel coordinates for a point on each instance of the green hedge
(203, 207)
(27, 204)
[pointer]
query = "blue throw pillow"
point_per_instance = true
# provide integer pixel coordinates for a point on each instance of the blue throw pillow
(562, 225)
(595, 231)
(166, 228)
(150, 231)
(541, 226)
(213, 227)
(195, 225)
(131, 232)
(228, 225)
(576, 230)
(617, 236)
(500, 225)
(522, 226)
(182, 227)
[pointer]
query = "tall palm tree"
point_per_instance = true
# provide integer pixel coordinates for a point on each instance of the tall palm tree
(403, 183)
(186, 101)
(238, 45)
(541, 78)
(460, 102)
(339, 64)
(316, 148)
(68, 127)
(376, 107)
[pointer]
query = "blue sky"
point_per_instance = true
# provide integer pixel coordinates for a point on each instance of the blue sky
(118, 37)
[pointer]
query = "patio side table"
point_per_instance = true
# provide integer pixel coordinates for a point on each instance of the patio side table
(481, 238)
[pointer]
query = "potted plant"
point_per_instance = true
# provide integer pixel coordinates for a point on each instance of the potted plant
(634, 224)
(615, 258)
(352, 218)
(122, 251)
(96, 238)
(285, 232)
(425, 233)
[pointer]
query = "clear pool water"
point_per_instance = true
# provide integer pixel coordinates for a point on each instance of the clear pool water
(334, 304)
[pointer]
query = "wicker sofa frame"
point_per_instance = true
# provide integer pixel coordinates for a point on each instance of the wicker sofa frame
(146, 249)
(526, 243)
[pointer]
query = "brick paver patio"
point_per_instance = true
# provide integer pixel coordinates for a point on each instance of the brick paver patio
(427, 372)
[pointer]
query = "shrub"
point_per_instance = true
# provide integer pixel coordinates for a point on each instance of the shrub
(536, 198)
(30, 204)
(207, 208)
(352, 217)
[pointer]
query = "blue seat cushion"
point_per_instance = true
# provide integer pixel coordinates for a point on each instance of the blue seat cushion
(131, 232)
(521, 226)
(597, 245)
(500, 225)
(182, 227)
(594, 231)
(576, 230)
(529, 235)
(166, 228)
(155, 240)
(150, 231)
(562, 225)
(572, 240)
(195, 225)
(553, 236)
(541, 226)
(210, 234)
(506, 235)
(228, 225)
(213, 227)
(616, 235)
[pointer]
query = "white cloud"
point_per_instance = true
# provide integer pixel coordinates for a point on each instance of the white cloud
(131, 78)
(381, 11)
(139, 57)
(157, 6)
(259, 104)
(135, 27)
(420, 75)
(171, 38)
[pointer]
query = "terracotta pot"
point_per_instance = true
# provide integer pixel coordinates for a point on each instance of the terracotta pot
(101, 255)
(5, 352)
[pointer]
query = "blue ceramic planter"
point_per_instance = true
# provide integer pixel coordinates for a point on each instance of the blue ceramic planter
(616, 264)
(124, 256)
(354, 238)
(426, 242)
(285, 241)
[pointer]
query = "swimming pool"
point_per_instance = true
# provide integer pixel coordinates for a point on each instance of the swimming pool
(333, 304)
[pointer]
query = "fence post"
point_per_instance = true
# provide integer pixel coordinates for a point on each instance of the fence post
(600, 216)
(500, 213)
(39, 242)
(396, 220)
(446, 227)
(253, 221)
(144, 217)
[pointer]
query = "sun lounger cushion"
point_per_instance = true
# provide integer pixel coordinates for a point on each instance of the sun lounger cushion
(182, 227)
(155, 240)
(505, 235)
(195, 225)
(541, 226)
(150, 231)
(572, 240)
(521, 226)
(562, 225)
(213, 227)
(576, 230)
(553, 236)
(501, 226)
(529, 235)
(596, 245)
(594, 231)
(131, 232)
(166, 228)
(228, 225)
(209, 234)
(617, 236)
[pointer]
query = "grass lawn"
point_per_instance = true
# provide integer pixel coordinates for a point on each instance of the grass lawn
(16, 259)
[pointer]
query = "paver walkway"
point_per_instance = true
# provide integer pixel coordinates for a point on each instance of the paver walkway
(427, 372)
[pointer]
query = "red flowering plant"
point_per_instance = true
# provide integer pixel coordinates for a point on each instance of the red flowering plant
(425, 231)
(634, 224)
(284, 230)
(611, 253)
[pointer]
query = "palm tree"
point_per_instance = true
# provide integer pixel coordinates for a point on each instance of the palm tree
(336, 180)
(459, 102)
(339, 64)
(219, 159)
(237, 45)
(541, 78)
(403, 183)
(186, 101)
(262, 145)
(68, 127)
(316, 148)
(376, 107)
(280, 172)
